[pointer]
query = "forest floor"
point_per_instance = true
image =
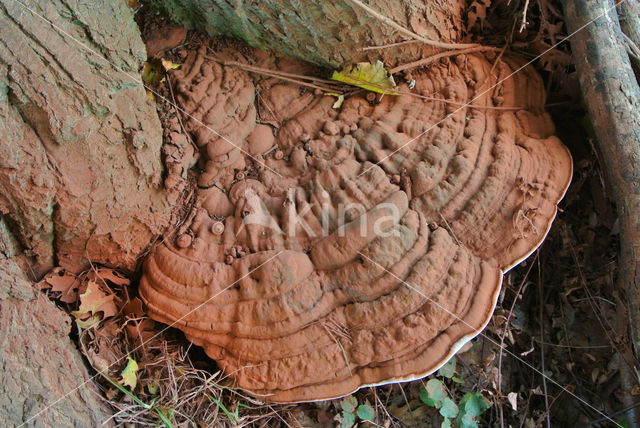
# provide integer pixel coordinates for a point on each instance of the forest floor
(550, 355)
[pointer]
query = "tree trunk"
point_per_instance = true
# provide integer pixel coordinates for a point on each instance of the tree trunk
(44, 382)
(329, 33)
(80, 168)
(630, 23)
(612, 96)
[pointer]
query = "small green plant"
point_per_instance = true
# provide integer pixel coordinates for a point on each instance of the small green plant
(462, 415)
(233, 417)
(351, 412)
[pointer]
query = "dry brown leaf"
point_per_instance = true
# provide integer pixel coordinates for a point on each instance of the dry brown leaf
(477, 12)
(107, 274)
(141, 332)
(62, 282)
(94, 300)
(133, 308)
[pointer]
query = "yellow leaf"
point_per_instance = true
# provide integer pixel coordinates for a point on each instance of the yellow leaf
(155, 69)
(338, 102)
(151, 73)
(372, 77)
(129, 377)
(168, 65)
(88, 323)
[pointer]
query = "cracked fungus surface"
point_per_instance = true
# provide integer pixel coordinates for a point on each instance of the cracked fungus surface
(358, 246)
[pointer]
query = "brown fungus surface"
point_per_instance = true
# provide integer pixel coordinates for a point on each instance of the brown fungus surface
(358, 246)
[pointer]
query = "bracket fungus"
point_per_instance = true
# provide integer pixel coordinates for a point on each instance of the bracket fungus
(361, 246)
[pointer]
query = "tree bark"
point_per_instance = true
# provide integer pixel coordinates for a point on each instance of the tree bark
(612, 96)
(329, 33)
(630, 24)
(80, 169)
(36, 373)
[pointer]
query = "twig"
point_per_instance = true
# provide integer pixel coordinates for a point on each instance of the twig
(504, 333)
(632, 48)
(544, 379)
(606, 326)
(390, 45)
(409, 33)
(546, 414)
(432, 58)
(524, 16)
(446, 223)
(300, 79)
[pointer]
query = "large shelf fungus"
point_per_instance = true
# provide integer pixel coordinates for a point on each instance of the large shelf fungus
(361, 246)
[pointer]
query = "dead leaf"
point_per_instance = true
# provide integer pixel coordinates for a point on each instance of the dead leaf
(168, 65)
(155, 69)
(62, 282)
(94, 300)
(141, 332)
(477, 12)
(133, 308)
(89, 322)
(107, 274)
(513, 400)
(338, 102)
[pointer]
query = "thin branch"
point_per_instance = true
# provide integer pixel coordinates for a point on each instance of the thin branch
(432, 58)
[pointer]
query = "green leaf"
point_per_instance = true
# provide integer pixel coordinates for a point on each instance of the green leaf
(155, 69)
(237, 411)
(449, 408)
(449, 369)
(164, 418)
(129, 377)
(349, 404)
(435, 389)
(474, 404)
(372, 77)
(347, 420)
(446, 423)
(365, 412)
(424, 397)
(223, 408)
(153, 387)
(467, 421)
